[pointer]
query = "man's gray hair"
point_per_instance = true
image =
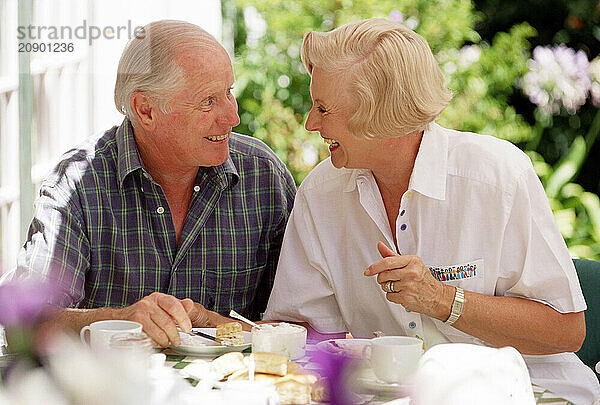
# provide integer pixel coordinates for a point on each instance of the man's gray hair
(149, 62)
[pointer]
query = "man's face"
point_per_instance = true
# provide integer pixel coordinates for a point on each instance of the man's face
(197, 128)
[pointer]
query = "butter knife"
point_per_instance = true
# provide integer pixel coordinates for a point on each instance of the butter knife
(207, 336)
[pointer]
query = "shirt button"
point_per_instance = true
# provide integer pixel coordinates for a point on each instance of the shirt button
(403, 227)
(402, 212)
(412, 325)
(196, 188)
(160, 210)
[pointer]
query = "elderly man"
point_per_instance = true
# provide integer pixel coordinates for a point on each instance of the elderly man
(169, 219)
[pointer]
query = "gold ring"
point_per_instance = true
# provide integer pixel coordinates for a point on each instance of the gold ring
(389, 287)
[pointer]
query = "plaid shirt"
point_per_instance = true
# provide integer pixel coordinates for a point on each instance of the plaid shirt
(103, 231)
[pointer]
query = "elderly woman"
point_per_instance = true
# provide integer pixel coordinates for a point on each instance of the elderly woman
(470, 249)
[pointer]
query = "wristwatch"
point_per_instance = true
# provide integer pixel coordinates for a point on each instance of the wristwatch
(457, 306)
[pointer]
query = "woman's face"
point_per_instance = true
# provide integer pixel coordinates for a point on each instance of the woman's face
(333, 105)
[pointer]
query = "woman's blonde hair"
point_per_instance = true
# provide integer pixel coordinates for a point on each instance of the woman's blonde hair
(392, 70)
(149, 62)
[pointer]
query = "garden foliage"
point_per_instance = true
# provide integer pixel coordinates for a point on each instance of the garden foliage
(486, 77)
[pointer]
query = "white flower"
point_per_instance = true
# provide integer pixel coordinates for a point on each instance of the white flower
(595, 75)
(557, 77)
(256, 25)
(310, 154)
(412, 22)
(469, 54)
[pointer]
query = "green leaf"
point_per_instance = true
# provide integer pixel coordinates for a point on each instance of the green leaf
(567, 168)
(565, 219)
(591, 202)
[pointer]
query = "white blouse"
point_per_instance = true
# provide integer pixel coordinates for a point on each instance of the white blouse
(475, 212)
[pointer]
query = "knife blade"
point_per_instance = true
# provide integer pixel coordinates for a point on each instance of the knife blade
(207, 336)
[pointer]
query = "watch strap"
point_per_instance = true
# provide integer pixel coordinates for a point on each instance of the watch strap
(457, 306)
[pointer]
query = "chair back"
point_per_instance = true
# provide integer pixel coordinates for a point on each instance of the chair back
(589, 278)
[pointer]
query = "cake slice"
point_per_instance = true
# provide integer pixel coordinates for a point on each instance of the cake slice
(292, 390)
(270, 363)
(230, 334)
(228, 363)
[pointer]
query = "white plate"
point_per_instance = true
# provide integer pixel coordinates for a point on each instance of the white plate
(367, 380)
(210, 348)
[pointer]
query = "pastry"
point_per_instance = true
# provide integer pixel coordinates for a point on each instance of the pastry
(230, 334)
(228, 363)
(270, 363)
(320, 391)
(241, 374)
(295, 368)
(292, 390)
(258, 377)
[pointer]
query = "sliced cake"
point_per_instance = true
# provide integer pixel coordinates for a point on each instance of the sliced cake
(230, 334)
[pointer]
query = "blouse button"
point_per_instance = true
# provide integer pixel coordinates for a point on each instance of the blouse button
(412, 325)
(160, 210)
(402, 212)
(403, 227)
(196, 188)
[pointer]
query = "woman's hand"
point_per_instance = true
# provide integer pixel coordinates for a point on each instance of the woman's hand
(413, 285)
(531, 327)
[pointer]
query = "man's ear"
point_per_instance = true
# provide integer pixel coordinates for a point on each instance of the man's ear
(144, 109)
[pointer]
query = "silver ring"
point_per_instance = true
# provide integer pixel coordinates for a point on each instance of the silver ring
(389, 287)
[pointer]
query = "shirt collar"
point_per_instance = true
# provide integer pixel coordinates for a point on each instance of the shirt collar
(431, 165)
(127, 152)
(226, 174)
(355, 176)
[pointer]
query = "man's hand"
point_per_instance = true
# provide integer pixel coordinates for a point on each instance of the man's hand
(413, 285)
(203, 318)
(160, 314)
(199, 316)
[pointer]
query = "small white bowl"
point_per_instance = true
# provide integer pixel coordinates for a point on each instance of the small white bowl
(283, 338)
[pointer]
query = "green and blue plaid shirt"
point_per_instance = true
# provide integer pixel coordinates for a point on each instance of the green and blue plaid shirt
(102, 228)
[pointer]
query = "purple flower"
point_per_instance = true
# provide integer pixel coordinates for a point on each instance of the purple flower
(336, 368)
(396, 16)
(21, 302)
(558, 77)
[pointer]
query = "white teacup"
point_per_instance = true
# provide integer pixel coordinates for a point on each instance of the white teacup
(394, 358)
(102, 331)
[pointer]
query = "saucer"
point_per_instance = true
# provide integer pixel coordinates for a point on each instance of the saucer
(367, 380)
